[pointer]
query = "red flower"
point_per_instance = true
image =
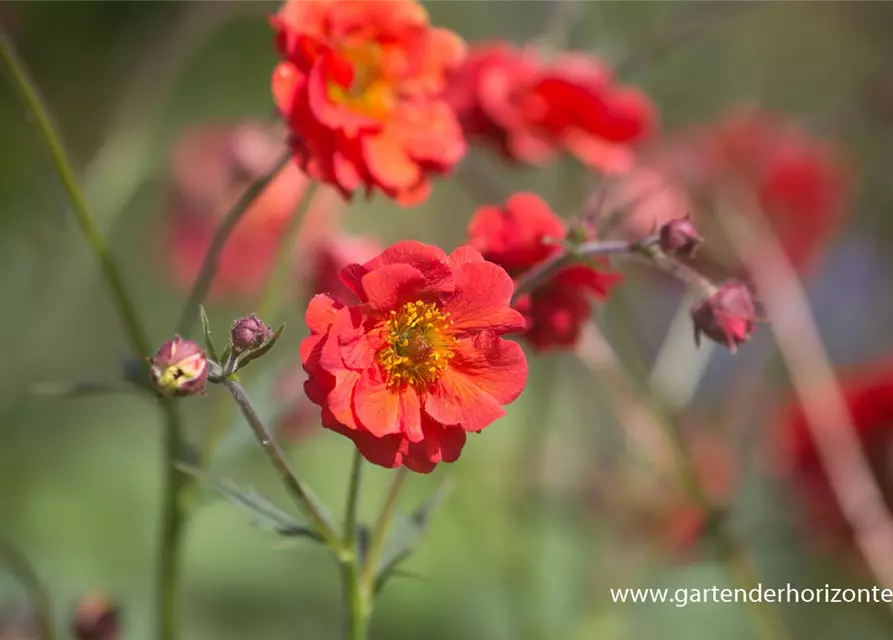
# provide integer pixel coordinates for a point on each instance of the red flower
(868, 393)
(516, 238)
(418, 362)
(360, 89)
(798, 182)
(727, 317)
(212, 167)
(530, 108)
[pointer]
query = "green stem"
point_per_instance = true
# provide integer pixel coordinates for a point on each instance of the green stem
(297, 490)
(133, 328)
(380, 532)
(19, 567)
(357, 601)
(209, 266)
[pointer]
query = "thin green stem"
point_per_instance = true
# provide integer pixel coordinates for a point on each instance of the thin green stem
(172, 521)
(19, 567)
(294, 486)
(209, 266)
(380, 532)
(357, 601)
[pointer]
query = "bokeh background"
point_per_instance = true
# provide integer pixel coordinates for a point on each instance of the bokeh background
(553, 505)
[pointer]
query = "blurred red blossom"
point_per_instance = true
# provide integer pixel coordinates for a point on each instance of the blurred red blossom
(799, 183)
(530, 107)
(868, 393)
(419, 362)
(517, 237)
(96, 618)
(360, 89)
(212, 166)
(727, 317)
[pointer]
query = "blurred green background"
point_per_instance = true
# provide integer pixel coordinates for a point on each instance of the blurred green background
(80, 478)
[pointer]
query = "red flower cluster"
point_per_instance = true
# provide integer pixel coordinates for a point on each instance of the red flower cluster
(868, 392)
(530, 108)
(212, 167)
(798, 182)
(516, 237)
(419, 361)
(360, 89)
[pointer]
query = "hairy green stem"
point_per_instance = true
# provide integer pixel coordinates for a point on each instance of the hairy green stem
(299, 493)
(380, 532)
(172, 521)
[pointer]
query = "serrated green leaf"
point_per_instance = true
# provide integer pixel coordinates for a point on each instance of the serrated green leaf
(206, 332)
(264, 513)
(406, 534)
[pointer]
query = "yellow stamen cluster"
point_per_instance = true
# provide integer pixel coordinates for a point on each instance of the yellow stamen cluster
(419, 344)
(370, 93)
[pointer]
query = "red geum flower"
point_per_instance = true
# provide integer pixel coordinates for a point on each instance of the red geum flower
(868, 393)
(360, 89)
(517, 237)
(798, 182)
(727, 316)
(212, 166)
(419, 362)
(529, 107)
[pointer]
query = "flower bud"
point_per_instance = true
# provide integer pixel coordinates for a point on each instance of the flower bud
(727, 316)
(96, 618)
(179, 368)
(680, 238)
(249, 333)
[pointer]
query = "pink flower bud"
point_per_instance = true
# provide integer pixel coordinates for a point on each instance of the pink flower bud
(179, 368)
(680, 238)
(727, 316)
(249, 332)
(96, 618)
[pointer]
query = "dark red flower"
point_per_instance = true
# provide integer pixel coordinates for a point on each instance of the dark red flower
(517, 237)
(418, 362)
(179, 368)
(727, 316)
(360, 89)
(679, 237)
(249, 333)
(530, 108)
(212, 167)
(868, 393)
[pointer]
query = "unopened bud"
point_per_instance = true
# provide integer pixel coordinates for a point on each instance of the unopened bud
(680, 238)
(249, 333)
(96, 618)
(727, 316)
(179, 368)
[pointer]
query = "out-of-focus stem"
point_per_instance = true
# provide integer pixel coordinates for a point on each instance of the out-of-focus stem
(172, 520)
(19, 567)
(209, 266)
(357, 600)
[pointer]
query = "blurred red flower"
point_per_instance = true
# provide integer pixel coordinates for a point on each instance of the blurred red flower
(212, 166)
(516, 237)
(419, 362)
(360, 89)
(868, 392)
(530, 108)
(798, 182)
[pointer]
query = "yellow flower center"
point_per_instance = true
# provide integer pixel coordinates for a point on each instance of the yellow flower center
(370, 93)
(420, 345)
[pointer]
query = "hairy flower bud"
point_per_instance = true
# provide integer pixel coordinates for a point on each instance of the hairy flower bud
(249, 332)
(96, 618)
(179, 368)
(727, 316)
(680, 238)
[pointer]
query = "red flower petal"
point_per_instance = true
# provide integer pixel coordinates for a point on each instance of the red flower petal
(481, 300)
(393, 284)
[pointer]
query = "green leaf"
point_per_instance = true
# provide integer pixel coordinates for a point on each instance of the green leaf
(254, 354)
(206, 331)
(406, 534)
(264, 513)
